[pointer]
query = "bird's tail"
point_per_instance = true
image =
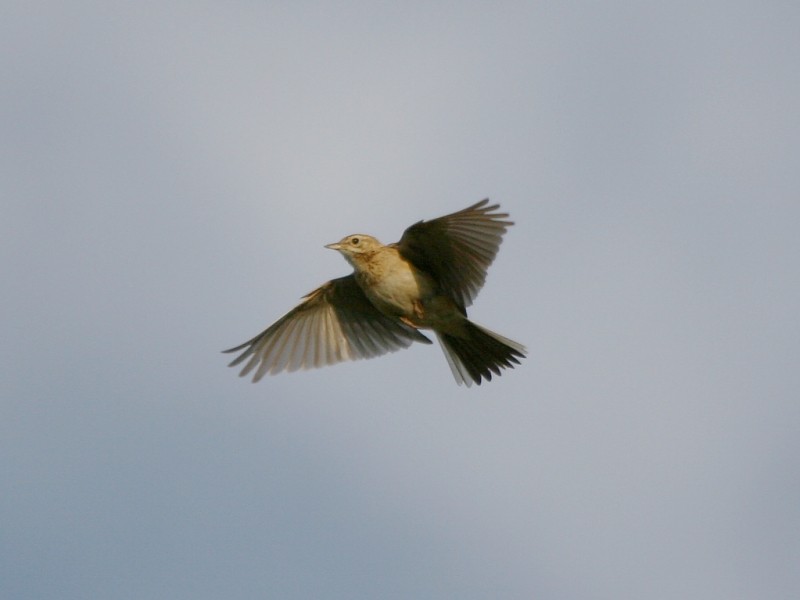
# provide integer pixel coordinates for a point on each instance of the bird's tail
(476, 353)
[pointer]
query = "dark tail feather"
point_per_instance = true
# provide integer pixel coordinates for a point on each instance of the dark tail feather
(479, 353)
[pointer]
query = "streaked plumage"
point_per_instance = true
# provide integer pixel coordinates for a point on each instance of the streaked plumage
(426, 280)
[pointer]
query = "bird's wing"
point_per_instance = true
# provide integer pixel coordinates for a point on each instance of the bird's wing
(457, 249)
(334, 323)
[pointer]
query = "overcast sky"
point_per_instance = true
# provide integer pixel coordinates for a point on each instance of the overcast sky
(170, 172)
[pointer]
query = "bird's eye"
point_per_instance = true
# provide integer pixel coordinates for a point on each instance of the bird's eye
(355, 241)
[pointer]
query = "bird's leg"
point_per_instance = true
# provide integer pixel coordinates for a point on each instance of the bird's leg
(415, 319)
(408, 322)
(419, 310)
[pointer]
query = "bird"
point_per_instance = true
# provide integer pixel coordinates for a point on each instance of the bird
(425, 281)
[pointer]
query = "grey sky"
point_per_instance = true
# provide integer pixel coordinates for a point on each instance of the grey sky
(169, 176)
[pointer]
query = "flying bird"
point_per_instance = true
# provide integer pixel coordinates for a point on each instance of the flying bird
(425, 281)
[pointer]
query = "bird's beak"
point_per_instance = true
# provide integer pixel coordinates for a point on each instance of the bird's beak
(334, 246)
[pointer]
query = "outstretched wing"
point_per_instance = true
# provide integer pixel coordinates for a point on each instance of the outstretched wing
(457, 249)
(334, 323)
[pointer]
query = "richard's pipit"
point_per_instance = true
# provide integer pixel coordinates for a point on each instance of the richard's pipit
(424, 281)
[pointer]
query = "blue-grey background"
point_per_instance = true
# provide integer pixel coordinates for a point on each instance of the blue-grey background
(169, 175)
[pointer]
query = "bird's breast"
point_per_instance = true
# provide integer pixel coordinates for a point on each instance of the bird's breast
(394, 286)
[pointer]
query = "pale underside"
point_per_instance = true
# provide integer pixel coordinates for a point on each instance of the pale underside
(337, 322)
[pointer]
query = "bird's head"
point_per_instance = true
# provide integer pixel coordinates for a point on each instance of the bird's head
(356, 248)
